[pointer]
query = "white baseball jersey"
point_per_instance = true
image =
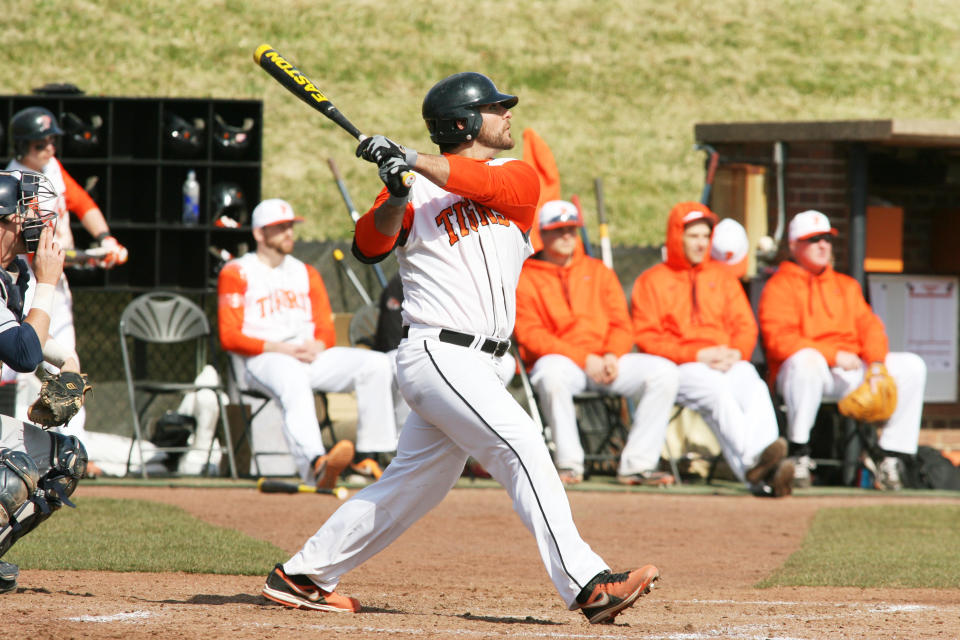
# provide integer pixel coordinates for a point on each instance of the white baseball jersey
(275, 301)
(460, 257)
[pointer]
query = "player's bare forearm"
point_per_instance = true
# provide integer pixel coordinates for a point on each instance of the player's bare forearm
(388, 218)
(94, 222)
(436, 169)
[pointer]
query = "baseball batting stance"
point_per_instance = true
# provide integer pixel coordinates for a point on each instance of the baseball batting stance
(461, 236)
(39, 469)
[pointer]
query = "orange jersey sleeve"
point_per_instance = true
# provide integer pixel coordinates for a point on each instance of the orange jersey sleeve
(323, 328)
(78, 201)
(369, 245)
(512, 188)
(231, 288)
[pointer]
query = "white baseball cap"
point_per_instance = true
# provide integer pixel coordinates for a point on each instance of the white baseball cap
(559, 213)
(273, 211)
(729, 243)
(807, 224)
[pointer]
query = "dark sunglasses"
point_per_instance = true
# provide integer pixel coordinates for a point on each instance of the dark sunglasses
(40, 145)
(823, 236)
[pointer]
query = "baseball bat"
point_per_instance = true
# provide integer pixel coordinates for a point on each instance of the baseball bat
(352, 210)
(606, 251)
(575, 199)
(301, 86)
(338, 256)
(265, 485)
(713, 159)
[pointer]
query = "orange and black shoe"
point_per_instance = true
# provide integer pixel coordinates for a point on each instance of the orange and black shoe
(328, 467)
(299, 592)
(610, 593)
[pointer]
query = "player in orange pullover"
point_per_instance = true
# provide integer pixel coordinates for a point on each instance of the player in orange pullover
(820, 335)
(693, 311)
(573, 329)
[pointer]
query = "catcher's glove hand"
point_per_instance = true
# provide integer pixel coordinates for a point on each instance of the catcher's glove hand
(61, 396)
(874, 400)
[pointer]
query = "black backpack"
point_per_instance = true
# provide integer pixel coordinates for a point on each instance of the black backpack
(929, 469)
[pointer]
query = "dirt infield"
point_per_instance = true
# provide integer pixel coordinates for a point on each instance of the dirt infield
(470, 570)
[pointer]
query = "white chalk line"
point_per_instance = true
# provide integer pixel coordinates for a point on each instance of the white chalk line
(126, 616)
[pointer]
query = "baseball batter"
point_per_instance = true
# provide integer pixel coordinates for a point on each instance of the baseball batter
(274, 315)
(36, 134)
(460, 233)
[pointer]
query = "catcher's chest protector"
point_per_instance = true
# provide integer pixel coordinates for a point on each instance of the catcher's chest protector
(57, 461)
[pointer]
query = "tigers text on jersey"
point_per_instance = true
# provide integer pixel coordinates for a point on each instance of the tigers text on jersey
(286, 303)
(462, 246)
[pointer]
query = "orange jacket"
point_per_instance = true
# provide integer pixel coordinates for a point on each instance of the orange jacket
(573, 310)
(679, 308)
(827, 312)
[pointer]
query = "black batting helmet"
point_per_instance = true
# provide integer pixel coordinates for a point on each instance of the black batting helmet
(456, 98)
(231, 140)
(32, 123)
(181, 137)
(227, 199)
(82, 137)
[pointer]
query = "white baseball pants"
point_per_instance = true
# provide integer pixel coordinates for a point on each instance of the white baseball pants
(736, 406)
(338, 369)
(460, 408)
(805, 380)
(650, 381)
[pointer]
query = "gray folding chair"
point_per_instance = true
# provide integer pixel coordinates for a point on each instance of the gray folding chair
(163, 326)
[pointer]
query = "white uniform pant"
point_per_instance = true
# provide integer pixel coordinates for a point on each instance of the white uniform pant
(506, 369)
(805, 380)
(291, 384)
(649, 381)
(460, 408)
(736, 406)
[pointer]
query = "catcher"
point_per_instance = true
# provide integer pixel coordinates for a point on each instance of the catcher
(823, 342)
(39, 469)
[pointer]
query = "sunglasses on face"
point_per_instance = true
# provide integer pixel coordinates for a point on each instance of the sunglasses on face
(40, 145)
(823, 236)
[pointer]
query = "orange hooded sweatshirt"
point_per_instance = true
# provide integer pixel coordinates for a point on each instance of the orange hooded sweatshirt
(573, 310)
(827, 312)
(679, 308)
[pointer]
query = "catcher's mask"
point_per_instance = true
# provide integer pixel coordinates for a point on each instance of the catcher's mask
(31, 196)
(81, 138)
(230, 140)
(181, 137)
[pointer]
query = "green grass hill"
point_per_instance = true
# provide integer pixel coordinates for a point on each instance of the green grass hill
(614, 87)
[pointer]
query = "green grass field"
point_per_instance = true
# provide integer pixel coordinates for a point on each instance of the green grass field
(104, 534)
(877, 546)
(872, 546)
(614, 86)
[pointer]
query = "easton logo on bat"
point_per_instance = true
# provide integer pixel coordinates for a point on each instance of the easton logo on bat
(294, 73)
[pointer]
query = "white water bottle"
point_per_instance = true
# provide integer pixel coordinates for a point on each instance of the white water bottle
(191, 199)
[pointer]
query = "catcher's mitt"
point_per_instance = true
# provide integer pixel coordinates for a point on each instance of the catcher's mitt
(874, 400)
(61, 396)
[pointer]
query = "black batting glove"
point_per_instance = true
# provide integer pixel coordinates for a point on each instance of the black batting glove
(378, 148)
(392, 170)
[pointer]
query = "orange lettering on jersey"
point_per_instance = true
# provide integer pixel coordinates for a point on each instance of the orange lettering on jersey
(443, 219)
(481, 213)
(458, 208)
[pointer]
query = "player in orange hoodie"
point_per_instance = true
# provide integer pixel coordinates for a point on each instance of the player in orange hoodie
(694, 311)
(573, 329)
(820, 336)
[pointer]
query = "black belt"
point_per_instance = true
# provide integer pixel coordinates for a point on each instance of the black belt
(491, 346)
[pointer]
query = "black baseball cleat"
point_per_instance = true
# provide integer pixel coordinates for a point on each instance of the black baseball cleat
(299, 592)
(8, 576)
(610, 593)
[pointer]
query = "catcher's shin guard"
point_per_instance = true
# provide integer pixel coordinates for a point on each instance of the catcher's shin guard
(39, 471)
